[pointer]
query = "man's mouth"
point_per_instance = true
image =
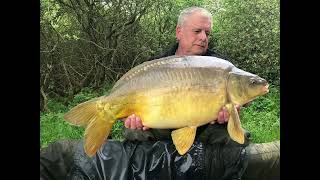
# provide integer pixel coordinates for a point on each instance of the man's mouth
(203, 46)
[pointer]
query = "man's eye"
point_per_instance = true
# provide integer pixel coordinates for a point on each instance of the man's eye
(197, 31)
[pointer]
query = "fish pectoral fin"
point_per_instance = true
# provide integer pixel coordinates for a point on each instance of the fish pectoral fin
(234, 126)
(183, 138)
(95, 134)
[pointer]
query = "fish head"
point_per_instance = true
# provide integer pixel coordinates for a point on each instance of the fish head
(243, 87)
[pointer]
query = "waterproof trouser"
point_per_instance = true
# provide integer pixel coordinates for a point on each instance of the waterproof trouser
(158, 160)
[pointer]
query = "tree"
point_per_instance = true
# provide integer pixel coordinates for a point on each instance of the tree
(248, 33)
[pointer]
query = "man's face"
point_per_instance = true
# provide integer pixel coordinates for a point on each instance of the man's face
(193, 34)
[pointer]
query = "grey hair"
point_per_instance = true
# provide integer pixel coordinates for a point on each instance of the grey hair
(189, 11)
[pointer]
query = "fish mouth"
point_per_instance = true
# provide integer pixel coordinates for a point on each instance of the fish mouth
(265, 88)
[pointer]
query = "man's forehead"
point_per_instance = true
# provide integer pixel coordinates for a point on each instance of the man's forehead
(198, 20)
(200, 25)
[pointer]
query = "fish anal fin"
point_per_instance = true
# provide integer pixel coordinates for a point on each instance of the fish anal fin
(235, 130)
(183, 138)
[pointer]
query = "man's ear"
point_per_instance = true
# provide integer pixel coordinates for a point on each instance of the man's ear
(178, 32)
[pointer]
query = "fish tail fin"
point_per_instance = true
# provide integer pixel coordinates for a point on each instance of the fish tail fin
(82, 114)
(98, 119)
(96, 133)
(234, 128)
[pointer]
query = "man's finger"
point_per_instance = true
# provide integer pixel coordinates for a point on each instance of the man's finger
(138, 123)
(127, 122)
(238, 108)
(145, 128)
(133, 123)
(220, 117)
(225, 115)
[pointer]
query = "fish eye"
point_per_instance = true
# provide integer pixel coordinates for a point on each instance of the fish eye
(253, 81)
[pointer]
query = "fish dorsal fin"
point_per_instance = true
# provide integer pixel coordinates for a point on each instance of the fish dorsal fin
(183, 138)
(145, 66)
(234, 126)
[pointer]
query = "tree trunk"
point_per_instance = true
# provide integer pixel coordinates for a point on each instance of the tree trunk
(45, 100)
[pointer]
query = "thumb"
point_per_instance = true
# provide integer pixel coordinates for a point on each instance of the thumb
(238, 107)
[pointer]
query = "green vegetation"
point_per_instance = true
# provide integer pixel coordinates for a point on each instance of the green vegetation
(248, 33)
(53, 127)
(262, 117)
(93, 43)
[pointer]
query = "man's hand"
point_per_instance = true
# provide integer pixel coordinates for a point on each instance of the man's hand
(134, 122)
(223, 115)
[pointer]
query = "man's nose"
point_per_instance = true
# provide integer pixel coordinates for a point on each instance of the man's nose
(203, 36)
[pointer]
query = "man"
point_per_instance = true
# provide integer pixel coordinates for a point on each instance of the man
(192, 33)
(212, 156)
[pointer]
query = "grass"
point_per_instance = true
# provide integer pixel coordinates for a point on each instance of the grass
(53, 127)
(261, 118)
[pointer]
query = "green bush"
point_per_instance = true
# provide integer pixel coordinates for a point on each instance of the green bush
(248, 33)
(84, 95)
(56, 106)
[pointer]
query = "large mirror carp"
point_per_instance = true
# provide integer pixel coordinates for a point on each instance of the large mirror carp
(176, 92)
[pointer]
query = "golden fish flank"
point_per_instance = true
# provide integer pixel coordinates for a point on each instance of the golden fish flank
(175, 92)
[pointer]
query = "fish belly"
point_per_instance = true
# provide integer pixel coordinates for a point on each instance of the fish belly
(176, 109)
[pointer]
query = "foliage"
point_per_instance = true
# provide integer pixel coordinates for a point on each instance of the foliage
(53, 127)
(262, 117)
(248, 33)
(56, 106)
(85, 95)
(93, 43)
